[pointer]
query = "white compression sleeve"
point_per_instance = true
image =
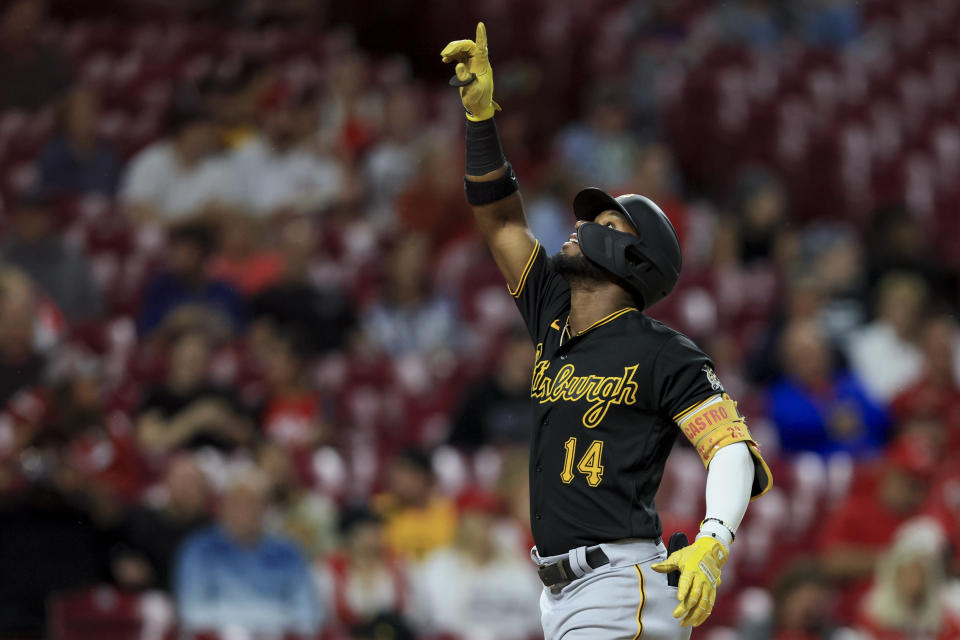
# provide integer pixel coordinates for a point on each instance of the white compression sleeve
(729, 481)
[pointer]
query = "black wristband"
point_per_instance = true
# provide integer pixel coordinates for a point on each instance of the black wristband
(484, 153)
(480, 193)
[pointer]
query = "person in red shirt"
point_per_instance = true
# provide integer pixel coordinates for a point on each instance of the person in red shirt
(292, 414)
(363, 579)
(936, 393)
(906, 600)
(861, 528)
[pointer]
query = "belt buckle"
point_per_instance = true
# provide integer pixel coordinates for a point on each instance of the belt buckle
(565, 579)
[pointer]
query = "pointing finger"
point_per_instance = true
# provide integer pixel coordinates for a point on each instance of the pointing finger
(481, 36)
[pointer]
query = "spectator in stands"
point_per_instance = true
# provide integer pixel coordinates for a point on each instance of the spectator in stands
(293, 413)
(186, 410)
(759, 210)
(410, 317)
(184, 294)
(282, 170)
(33, 71)
(802, 598)
(76, 160)
(656, 177)
(601, 150)
(362, 580)
(179, 176)
(352, 112)
(832, 256)
(21, 363)
(431, 204)
(819, 408)
(307, 517)
(898, 241)
(294, 303)
(244, 260)
(474, 584)
(885, 354)
(49, 542)
(496, 411)
(936, 393)
(95, 442)
(908, 598)
(417, 519)
(61, 271)
(802, 300)
(391, 162)
(149, 536)
(234, 576)
(857, 532)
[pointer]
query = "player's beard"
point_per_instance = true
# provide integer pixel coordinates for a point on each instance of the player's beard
(578, 270)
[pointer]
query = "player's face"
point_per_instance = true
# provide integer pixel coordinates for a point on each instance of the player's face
(609, 218)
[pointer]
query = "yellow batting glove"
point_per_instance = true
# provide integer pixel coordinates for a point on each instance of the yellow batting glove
(473, 75)
(699, 565)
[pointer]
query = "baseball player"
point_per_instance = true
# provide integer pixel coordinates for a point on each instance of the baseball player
(610, 388)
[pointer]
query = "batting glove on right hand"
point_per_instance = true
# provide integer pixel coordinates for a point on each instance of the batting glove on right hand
(699, 565)
(474, 75)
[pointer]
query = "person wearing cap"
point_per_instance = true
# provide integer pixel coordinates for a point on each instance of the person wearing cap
(611, 389)
(416, 518)
(281, 170)
(362, 579)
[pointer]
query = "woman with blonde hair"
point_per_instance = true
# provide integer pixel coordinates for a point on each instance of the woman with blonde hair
(907, 597)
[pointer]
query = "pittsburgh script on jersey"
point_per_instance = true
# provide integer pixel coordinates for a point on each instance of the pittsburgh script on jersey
(601, 392)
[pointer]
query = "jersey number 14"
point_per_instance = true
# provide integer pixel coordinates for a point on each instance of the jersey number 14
(589, 464)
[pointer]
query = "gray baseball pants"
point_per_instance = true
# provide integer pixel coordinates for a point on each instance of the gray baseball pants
(622, 600)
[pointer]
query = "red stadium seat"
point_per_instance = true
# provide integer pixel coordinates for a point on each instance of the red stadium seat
(104, 612)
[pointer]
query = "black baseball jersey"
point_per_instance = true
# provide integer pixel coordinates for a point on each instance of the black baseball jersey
(604, 402)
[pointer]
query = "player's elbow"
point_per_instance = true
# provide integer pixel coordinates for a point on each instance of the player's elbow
(734, 456)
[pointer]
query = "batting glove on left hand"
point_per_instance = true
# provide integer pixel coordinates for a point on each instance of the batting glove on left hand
(474, 75)
(699, 565)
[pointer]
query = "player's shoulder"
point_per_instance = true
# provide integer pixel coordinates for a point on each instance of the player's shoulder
(661, 337)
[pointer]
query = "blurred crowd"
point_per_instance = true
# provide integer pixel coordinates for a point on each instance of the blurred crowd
(260, 378)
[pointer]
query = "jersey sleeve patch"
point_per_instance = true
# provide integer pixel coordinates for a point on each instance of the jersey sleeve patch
(712, 378)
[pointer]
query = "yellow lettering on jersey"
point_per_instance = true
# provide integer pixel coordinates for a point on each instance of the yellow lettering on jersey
(602, 392)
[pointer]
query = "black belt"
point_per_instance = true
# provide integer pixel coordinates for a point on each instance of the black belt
(559, 574)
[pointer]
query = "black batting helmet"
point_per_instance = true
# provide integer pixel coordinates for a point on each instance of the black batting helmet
(648, 264)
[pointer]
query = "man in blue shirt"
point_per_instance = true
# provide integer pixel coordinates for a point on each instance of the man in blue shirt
(183, 293)
(233, 576)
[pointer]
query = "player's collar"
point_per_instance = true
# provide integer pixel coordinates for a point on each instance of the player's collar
(602, 321)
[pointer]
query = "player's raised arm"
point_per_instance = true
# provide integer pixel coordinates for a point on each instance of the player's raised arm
(490, 184)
